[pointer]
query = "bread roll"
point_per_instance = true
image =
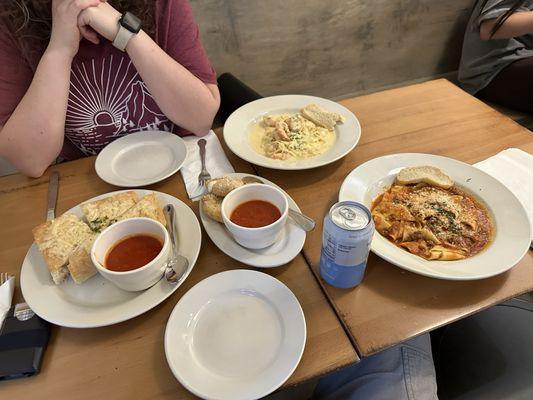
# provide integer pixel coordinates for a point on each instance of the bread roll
(222, 186)
(212, 206)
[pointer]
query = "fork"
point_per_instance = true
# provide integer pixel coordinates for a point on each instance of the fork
(4, 277)
(204, 175)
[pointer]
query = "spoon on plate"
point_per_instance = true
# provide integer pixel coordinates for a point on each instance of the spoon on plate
(177, 265)
(303, 221)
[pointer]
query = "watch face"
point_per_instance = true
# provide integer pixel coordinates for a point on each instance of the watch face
(130, 22)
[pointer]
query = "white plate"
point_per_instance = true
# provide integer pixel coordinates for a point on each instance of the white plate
(238, 125)
(141, 158)
(283, 251)
(98, 302)
(512, 236)
(236, 335)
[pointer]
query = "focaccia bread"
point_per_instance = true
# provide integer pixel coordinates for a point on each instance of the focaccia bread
(102, 213)
(148, 207)
(80, 264)
(57, 239)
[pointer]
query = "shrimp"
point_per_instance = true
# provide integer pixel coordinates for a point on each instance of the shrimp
(294, 123)
(269, 121)
(282, 131)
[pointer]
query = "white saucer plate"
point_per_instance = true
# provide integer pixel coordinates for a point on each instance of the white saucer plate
(283, 251)
(98, 302)
(237, 335)
(512, 229)
(141, 159)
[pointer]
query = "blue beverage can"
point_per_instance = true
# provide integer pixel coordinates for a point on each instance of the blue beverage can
(346, 238)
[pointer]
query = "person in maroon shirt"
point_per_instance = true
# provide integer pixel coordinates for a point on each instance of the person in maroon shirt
(66, 91)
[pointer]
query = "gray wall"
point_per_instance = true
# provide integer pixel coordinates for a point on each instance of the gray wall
(332, 48)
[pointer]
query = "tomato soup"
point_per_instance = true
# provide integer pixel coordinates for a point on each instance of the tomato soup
(255, 214)
(132, 252)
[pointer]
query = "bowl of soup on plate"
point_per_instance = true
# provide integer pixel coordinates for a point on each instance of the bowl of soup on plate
(255, 214)
(132, 253)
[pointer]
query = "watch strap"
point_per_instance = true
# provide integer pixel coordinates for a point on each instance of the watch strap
(122, 39)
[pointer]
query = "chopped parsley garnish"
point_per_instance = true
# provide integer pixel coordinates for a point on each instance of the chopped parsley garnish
(441, 210)
(100, 223)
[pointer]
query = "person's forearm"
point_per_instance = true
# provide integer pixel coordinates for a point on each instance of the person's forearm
(518, 24)
(33, 136)
(183, 98)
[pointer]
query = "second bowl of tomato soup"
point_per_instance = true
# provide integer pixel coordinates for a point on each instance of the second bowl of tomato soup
(255, 215)
(132, 253)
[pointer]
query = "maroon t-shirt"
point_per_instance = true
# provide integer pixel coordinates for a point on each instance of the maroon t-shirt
(108, 99)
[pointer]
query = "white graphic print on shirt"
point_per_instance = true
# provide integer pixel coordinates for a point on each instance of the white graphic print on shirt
(108, 100)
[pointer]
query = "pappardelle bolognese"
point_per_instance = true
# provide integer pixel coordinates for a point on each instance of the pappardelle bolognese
(426, 214)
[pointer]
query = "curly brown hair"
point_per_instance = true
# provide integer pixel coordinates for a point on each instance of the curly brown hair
(29, 22)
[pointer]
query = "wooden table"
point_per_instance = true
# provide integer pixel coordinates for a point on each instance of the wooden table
(392, 305)
(127, 360)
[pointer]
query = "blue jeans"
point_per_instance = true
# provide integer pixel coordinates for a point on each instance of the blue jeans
(403, 372)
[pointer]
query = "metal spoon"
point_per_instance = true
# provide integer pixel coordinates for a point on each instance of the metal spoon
(177, 265)
(303, 221)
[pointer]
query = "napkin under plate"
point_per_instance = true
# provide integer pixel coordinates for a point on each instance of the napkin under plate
(514, 168)
(215, 159)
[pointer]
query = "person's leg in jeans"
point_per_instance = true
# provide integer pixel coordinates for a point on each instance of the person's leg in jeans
(403, 372)
(512, 87)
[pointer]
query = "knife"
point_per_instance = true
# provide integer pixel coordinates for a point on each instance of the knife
(53, 185)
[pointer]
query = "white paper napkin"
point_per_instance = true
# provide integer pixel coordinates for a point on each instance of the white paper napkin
(6, 296)
(216, 162)
(514, 168)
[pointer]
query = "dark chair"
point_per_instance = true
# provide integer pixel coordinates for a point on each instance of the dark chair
(233, 94)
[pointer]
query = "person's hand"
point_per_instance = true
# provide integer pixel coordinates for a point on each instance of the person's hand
(65, 36)
(102, 19)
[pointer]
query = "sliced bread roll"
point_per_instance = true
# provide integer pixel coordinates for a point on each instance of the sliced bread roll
(320, 116)
(222, 186)
(149, 207)
(212, 206)
(426, 174)
(80, 264)
(102, 213)
(57, 239)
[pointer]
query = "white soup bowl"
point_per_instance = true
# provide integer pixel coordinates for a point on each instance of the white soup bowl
(136, 279)
(255, 238)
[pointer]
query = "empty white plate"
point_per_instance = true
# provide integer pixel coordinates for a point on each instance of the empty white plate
(237, 335)
(287, 247)
(141, 158)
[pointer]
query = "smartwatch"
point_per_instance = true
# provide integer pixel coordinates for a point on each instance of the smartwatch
(129, 25)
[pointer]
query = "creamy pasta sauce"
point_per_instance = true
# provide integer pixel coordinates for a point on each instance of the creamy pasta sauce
(301, 138)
